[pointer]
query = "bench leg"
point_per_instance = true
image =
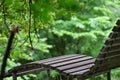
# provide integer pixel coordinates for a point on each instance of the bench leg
(109, 75)
(70, 79)
(81, 79)
(63, 77)
(48, 74)
(14, 76)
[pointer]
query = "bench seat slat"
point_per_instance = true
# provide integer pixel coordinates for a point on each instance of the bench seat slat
(24, 72)
(70, 66)
(64, 60)
(38, 64)
(24, 68)
(87, 66)
(71, 62)
(55, 58)
(79, 73)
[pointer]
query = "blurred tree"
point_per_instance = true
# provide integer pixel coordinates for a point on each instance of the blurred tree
(55, 27)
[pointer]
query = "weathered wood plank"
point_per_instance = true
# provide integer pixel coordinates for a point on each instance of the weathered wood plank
(112, 41)
(118, 22)
(20, 73)
(71, 61)
(110, 53)
(64, 60)
(110, 59)
(108, 63)
(79, 68)
(37, 64)
(107, 66)
(55, 58)
(116, 29)
(79, 73)
(112, 35)
(110, 48)
(70, 66)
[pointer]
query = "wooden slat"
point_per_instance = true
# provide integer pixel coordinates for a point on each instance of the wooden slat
(24, 68)
(71, 61)
(68, 61)
(108, 65)
(112, 64)
(55, 58)
(105, 49)
(79, 73)
(79, 68)
(64, 60)
(118, 22)
(108, 62)
(38, 63)
(110, 53)
(29, 71)
(20, 73)
(110, 57)
(110, 48)
(116, 29)
(112, 41)
(115, 41)
(113, 35)
(70, 66)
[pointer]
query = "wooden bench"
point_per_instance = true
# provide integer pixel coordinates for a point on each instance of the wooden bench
(77, 65)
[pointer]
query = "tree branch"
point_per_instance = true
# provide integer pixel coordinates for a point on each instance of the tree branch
(30, 12)
(2, 3)
(4, 17)
(7, 52)
(25, 39)
(35, 29)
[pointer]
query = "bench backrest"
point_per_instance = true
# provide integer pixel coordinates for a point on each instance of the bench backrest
(109, 56)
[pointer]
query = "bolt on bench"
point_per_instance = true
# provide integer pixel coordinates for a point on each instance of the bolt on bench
(77, 65)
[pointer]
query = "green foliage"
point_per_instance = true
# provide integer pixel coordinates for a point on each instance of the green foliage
(57, 27)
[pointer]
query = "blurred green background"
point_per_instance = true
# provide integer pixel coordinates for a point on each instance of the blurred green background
(52, 28)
